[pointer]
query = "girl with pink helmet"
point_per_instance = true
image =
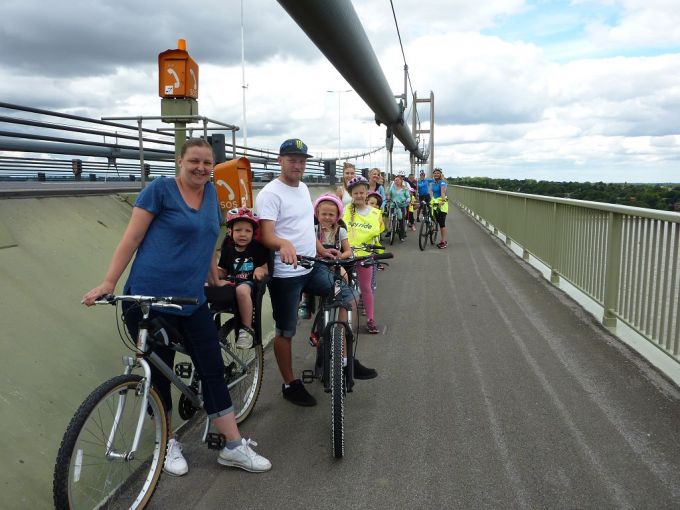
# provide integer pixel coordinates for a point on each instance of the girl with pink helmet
(328, 210)
(331, 234)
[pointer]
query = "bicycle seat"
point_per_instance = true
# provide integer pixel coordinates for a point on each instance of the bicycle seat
(221, 299)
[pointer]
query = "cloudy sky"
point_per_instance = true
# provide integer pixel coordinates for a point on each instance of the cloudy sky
(558, 90)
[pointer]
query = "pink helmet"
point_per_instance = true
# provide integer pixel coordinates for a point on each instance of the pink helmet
(329, 197)
(242, 213)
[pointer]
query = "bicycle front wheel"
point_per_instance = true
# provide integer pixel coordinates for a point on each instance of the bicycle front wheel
(423, 234)
(393, 228)
(434, 233)
(337, 393)
(95, 468)
(243, 369)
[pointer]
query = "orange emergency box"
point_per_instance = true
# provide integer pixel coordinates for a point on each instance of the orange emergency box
(234, 184)
(177, 73)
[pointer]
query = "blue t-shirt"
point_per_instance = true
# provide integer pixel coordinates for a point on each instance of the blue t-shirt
(175, 255)
(424, 186)
(437, 188)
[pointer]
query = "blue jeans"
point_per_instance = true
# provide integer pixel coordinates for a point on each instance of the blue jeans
(200, 341)
(285, 296)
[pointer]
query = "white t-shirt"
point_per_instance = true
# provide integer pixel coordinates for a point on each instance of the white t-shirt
(346, 197)
(292, 211)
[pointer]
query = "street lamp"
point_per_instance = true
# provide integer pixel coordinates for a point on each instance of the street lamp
(339, 93)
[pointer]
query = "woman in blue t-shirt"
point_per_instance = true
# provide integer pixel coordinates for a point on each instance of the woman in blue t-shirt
(439, 198)
(173, 230)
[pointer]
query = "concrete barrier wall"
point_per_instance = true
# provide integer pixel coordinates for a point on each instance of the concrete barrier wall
(54, 351)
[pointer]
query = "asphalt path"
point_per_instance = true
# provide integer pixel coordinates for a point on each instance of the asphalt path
(494, 391)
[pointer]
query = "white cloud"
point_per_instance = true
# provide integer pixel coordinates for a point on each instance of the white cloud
(501, 106)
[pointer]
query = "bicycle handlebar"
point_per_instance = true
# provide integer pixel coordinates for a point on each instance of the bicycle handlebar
(169, 301)
(365, 260)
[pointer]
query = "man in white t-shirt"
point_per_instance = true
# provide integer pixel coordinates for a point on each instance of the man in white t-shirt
(284, 206)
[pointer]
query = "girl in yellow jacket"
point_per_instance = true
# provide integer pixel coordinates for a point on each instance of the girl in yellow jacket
(364, 224)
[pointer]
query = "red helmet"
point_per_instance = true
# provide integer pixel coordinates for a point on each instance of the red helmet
(242, 213)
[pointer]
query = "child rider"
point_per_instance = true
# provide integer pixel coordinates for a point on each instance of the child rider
(364, 224)
(245, 259)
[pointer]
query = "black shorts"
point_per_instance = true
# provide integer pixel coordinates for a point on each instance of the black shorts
(441, 219)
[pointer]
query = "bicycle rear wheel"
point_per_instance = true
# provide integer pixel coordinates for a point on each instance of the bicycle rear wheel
(90, 473)
(243, 369)
(423, 234)
(337, 393)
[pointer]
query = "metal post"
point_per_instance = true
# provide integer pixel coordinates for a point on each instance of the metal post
(243, 84)
(141, 152)
(555, 237)
(180, 138)
(612, 270)
(431, 132)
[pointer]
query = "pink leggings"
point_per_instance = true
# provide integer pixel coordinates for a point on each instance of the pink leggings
(365, 275)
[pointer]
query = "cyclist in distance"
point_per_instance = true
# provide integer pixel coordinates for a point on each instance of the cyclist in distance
(173, 229)
(424, 188)
(401, 197)
(287, 227)
(374, 183)
(439, 197)
(348, 171)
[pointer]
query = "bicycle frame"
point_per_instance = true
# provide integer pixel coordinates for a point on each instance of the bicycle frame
(141, 361)
(330, 306)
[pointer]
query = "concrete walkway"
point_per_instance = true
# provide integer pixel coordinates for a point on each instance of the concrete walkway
(495, 391)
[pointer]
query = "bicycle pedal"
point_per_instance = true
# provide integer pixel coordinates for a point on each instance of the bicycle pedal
(215, 441)
(308, 376)
(184, 369)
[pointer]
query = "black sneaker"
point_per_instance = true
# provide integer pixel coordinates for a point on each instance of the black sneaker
(362, 372)
(297, 394)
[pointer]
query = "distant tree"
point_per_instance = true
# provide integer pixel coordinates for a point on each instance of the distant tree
(652, 196)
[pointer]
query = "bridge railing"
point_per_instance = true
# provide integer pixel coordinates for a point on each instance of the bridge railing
(626, 259)
(38, 144)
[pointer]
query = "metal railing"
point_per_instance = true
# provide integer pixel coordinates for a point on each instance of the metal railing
(626, 259)
(37, 144)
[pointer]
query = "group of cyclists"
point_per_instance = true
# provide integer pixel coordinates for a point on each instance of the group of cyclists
(172, 233)
(404, 195)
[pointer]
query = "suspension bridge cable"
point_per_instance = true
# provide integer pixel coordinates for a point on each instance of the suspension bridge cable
(403, 54)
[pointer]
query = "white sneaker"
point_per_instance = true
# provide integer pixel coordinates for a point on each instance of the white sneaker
(244, 457)
(244, 340)
(175, 463)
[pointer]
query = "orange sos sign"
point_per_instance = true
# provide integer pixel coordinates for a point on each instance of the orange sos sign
(233, 181)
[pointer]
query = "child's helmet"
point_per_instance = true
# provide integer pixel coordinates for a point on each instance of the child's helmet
(376, 195)
(329, 197)
(242, 213)
(355, 181)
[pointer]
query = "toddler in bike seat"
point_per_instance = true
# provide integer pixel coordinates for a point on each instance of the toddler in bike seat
(243, 260)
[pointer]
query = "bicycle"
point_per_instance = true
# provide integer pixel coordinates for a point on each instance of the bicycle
(113, 450)
(331, 335)
(429, 227)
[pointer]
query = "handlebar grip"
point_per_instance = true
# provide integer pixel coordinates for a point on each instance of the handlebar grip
(383, 256)
(182, 300)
